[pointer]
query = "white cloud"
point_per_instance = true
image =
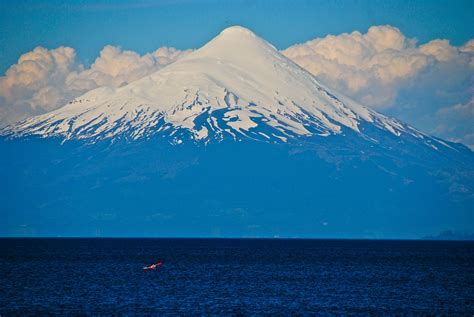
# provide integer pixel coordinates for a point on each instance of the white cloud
(369, 67)
(43, 80)
(115, 67)
(36, 83)
(387, 71)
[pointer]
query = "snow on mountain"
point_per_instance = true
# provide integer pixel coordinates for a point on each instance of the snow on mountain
(237, 85)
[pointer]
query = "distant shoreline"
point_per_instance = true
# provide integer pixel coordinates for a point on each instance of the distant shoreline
(428, 238)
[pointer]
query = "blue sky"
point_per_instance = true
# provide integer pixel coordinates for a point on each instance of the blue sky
(143, 26)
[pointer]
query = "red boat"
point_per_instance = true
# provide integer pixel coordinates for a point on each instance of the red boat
(153, 266)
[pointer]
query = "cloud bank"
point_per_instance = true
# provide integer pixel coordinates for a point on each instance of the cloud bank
(430, 86)
(43, 80)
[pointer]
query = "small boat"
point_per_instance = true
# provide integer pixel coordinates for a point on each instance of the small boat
(153, 266)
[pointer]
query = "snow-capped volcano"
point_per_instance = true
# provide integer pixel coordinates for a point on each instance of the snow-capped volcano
(237, 85)
(324, 165)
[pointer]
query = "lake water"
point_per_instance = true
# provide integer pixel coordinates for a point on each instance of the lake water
(235, 276)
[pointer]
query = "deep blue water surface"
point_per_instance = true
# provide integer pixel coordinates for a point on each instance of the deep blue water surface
(237, 276)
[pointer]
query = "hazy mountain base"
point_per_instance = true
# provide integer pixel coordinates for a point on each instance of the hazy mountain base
(451, 235)
(339, 186)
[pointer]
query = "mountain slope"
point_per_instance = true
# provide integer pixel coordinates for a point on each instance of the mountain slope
(236, 86)
(341, 187)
